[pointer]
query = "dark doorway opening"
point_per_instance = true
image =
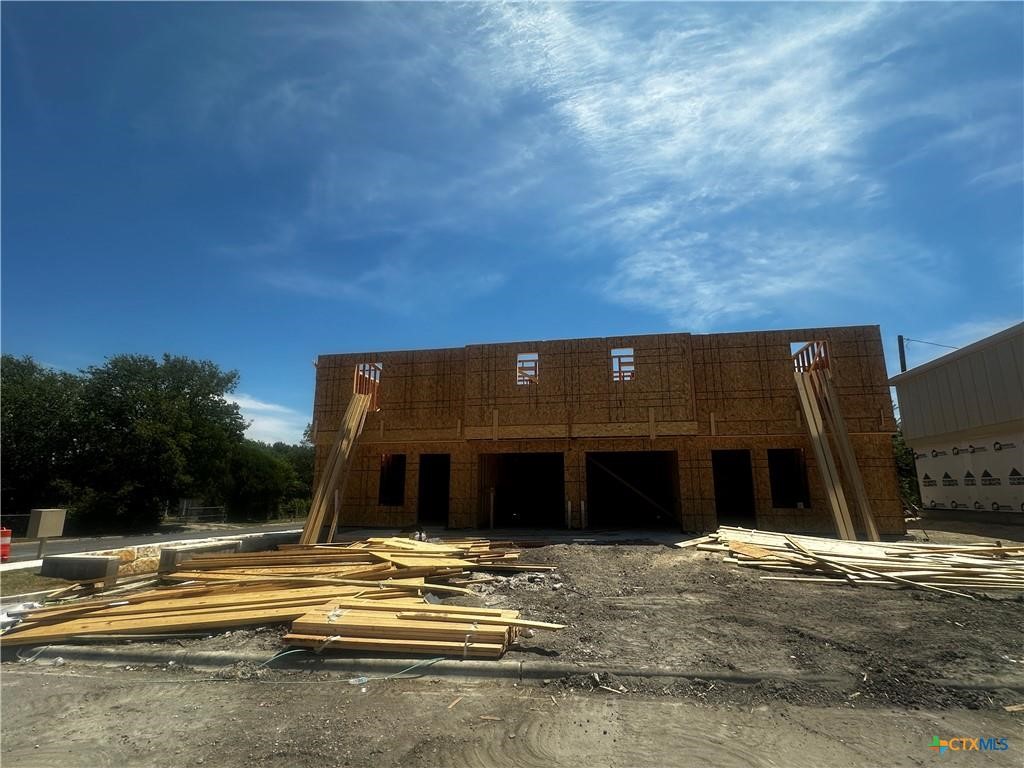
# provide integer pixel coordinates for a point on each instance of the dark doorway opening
(734, 488)
(633, 489)
(787, 473)
(391, 491)
(528, 489)
(434, 486)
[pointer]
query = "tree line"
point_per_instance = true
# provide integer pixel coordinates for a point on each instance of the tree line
(119, 444)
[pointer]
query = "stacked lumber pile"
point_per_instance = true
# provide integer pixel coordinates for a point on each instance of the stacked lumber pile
(361, 596)
(952, 570)
(409, 626)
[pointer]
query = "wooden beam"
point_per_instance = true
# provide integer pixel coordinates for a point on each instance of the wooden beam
(822, 381)
(823, 455)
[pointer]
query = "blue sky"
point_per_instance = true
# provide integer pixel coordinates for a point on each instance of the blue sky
(257, 183)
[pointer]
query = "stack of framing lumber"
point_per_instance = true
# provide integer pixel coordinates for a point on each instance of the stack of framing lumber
(820, 404)
(360, 596)
(410, 626)
(324, 509)
(953, 570)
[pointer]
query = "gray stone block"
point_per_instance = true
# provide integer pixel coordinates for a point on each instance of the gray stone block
(270, 540)
(81, 567)
(172, 557)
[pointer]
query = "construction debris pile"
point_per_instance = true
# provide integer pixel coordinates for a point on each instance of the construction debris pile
(371, 596)
(932, 567)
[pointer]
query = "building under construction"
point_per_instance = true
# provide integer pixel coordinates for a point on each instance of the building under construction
(783, 430)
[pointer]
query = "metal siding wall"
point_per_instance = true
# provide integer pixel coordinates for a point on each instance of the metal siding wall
(972, 405)
(984, 387)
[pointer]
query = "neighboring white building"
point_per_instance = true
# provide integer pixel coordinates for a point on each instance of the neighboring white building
(963, 416)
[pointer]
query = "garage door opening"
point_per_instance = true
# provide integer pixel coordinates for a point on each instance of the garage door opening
(528, 489)
(434, 485)
(734, 488)
(633, 489)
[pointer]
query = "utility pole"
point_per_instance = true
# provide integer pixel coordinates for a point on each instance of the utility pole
(903, 353)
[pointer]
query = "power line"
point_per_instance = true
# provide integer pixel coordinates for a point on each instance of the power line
(932, 343)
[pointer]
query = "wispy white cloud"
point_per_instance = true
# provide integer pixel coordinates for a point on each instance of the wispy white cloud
(727, 108)
(710, 115)
(270, 422)
(1003, 176)
(959, 133)
(638, 136)
(24, 73)
(400, 285)
(699, 279)
(773, 111)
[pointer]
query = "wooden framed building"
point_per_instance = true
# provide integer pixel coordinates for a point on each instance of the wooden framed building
(684, 431)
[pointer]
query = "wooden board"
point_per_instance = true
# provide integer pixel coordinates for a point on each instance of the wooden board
(525, 623)
(433, 647)
(823, 455)
(322, 507)
(822, 381)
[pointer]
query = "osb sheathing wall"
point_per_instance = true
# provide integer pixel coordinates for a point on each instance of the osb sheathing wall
(691, 394)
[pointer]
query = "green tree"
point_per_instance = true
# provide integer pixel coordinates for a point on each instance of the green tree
(147, 434)
(906, 471)
(259, 481)
(36, 406)
(300, 458)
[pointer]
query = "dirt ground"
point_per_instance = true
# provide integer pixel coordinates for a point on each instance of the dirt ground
(25, 581)
(85, 717)
(655, 606)
(876, 654)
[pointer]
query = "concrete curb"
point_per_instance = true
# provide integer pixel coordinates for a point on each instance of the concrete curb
(126, 654)
(21, 565)
(530, 670)
(27, 597)
(244, 538)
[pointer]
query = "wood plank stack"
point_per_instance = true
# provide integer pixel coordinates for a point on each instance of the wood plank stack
(359, 596)
(954, 570)
(409, 626)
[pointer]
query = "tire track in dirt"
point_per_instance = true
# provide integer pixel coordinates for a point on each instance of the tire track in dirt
(576, 734)
(692, 736)
(94, 755)
(27, 697)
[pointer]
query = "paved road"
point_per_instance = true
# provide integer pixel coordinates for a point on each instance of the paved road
(26, 550)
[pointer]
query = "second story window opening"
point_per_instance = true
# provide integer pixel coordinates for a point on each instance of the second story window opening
(527, 367)
(623, 364)
(366, 381)
(370, 371)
